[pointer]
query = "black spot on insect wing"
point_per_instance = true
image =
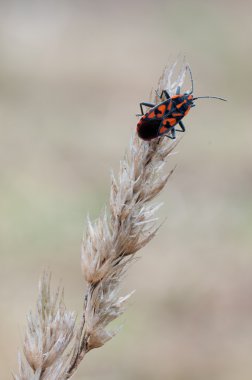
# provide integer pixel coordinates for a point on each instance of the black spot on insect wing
(148, 129)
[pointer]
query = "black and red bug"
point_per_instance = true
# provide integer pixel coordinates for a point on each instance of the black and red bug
(162, 118)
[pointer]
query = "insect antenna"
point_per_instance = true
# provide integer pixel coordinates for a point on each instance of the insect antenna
(209, 97)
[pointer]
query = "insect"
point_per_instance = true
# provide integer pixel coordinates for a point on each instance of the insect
(162, 118)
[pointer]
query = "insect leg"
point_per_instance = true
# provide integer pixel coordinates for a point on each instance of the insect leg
(166, 94)
(146, 105)
(172, 134)
(182, 127)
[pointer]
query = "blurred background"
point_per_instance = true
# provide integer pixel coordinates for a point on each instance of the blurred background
(72, 74)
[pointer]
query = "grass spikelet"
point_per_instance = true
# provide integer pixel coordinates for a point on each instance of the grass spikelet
(53, 346)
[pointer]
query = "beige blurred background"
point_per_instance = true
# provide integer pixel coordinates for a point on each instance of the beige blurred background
(71, 76)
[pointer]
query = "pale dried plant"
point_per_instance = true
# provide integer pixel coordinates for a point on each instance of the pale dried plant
(49, 331)
(53, 347)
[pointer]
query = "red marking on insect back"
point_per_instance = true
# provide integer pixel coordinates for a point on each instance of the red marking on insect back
(161, 110)
(172, 121)
(151, 115)
(163, 129)
(180, 104)
(186, 112)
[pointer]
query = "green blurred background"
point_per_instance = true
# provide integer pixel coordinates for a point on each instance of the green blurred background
(71, 76)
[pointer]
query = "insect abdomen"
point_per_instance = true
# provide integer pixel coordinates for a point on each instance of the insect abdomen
(148, 129)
